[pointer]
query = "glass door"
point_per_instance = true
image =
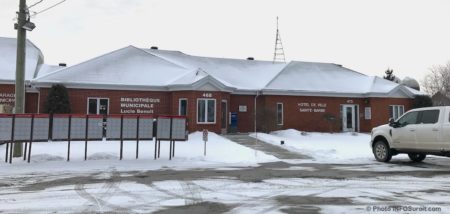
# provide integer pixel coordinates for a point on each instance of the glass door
(348, 118)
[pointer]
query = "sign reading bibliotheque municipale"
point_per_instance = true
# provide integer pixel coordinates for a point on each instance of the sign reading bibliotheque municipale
(138, 105)
(312, 107)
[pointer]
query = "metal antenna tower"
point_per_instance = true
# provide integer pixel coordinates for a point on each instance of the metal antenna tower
(278, 55)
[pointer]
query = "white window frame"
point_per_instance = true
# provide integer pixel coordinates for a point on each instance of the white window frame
(282, 114)
(179, 106)
(206, 111)
(98, 104)
(397, 111)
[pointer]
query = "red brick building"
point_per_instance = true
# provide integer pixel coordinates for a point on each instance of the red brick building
(227, 95)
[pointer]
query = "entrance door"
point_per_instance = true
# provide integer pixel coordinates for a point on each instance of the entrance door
(224, 114)
(348, 118)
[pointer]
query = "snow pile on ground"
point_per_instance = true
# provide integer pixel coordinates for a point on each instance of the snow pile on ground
(102, 155)
(322, 147)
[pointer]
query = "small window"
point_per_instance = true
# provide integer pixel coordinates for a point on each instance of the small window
(395, 111)
(206, 111)
(429, 117)
(409, 118)
(98, 106)
(279, 113)
(182, 107)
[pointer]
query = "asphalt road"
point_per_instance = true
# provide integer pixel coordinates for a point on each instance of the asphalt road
(279, 187)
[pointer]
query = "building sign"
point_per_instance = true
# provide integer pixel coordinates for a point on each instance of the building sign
(7, 98)
(138, 105)
(312, 107)
(242, 108)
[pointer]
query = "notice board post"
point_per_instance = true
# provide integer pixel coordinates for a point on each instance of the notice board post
(205, 138)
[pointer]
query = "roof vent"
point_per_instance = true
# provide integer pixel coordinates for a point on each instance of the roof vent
(62, 65)
(154, 48)
(250, 58)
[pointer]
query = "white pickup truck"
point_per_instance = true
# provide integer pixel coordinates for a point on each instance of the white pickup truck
(418, 133)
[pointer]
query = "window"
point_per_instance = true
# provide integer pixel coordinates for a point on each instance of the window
(279, 113)
(395, 111)
(206, 111)
(182, 107)
(98, 105)
(429, 117)
(410, 118)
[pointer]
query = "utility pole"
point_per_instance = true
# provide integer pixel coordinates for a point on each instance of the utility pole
(20, 68)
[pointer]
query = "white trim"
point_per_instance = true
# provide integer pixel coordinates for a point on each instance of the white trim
(98, 104)
(206, 111)
(179, 106)
(398, 112)
(355, 117)
(282, 114)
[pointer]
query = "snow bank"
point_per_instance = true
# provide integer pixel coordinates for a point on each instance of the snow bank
(323, 147)
(102, 155)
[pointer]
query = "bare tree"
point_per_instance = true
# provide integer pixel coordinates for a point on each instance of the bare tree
(438, 80)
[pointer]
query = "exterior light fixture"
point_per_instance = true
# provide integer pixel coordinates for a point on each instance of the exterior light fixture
(29, 26)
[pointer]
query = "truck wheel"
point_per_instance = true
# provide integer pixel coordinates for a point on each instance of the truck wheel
(417, 157)
(381, 151)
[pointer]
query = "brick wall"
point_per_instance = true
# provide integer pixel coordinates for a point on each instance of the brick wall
(300, 112)
(7, 94)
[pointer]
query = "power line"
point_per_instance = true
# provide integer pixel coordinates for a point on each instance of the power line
(48, 8)
(35, 4)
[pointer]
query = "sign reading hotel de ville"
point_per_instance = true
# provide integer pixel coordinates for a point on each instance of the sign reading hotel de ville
(7, 98)
(138, 105)
(307, 107)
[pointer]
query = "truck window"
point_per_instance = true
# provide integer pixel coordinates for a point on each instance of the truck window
(429, 117)
(409, 118)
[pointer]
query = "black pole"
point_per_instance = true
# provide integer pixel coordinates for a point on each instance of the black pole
(25, 151)
(12, 139)
(156, 145)
(170, 150)
(121, 137)
(137, 138)
(68, 137)
(31, 138)
(6, 154)
(159, 148)
(173, 151)
(29, 152)
(86, 137)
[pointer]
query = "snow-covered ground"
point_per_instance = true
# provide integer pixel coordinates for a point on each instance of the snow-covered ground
(51, 157)
(230, 178)
(324, 147)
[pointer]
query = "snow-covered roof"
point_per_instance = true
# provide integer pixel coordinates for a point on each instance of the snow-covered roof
(8, 54)
(132, 67)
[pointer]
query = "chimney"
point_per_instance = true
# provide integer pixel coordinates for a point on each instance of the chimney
(154, 48)
(62, 64)
(250, 58)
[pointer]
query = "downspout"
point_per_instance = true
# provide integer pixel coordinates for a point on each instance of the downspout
(256, 133)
